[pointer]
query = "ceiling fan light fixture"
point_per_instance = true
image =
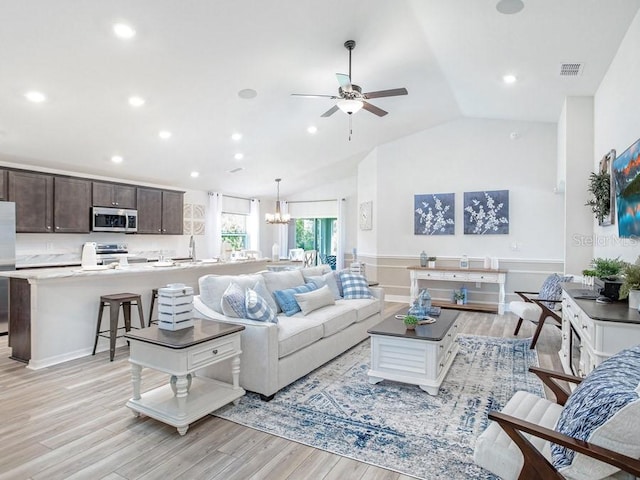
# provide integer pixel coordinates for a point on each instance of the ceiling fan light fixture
(350, 106)
(509, 7)
(278, 217)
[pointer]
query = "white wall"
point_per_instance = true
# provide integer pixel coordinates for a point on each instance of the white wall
(617, 125)
(576, 130)
(368, 185)
(472, 155)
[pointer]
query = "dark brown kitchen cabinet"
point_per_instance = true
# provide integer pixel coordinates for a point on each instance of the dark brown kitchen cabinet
(160, 211)
(71, 205)
(3, 185)
(114, 195)
(33, 195)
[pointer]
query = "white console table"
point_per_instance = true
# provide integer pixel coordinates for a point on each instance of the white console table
(470, 275)
(186, 397)
(592, 332)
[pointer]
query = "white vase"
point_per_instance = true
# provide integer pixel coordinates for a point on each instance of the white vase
(634, 299)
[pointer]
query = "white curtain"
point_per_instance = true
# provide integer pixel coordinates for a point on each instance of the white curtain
(283, 232)
(341, 234)
(213, 225)
(253, 226)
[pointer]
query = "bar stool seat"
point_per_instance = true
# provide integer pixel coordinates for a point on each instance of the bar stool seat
(114, 302)
(154, 297)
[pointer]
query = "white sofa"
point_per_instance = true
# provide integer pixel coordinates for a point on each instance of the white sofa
(276, 354)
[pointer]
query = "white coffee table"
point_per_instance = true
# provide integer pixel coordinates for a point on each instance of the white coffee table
(420, 357)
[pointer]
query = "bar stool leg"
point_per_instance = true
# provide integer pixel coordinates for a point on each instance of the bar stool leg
(126, 308)
(154, 294)
(95, 344)
(113, 328)
(140, 313)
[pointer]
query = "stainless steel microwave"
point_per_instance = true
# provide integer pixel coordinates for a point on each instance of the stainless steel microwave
(114, 220)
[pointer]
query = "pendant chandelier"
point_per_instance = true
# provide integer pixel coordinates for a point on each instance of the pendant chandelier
(278, 217)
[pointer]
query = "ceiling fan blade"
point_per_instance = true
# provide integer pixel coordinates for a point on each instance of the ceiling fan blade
(330, 112)
(373, 109)
(386, 93)
(312, 96)
(344, 81)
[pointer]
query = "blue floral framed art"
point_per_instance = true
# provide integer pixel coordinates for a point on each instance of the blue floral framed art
(486, 212)
(434, 214)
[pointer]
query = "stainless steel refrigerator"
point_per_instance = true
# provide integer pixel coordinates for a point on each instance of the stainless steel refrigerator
(7, 258)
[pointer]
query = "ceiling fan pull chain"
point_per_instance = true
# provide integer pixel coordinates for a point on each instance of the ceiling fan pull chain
(350, 126)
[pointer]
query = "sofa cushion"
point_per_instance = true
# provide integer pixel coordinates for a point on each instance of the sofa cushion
(282, 280)
(258, 308)
(605, 410)
(318, 298)
(364, 307)
(327, 279)
(286, 300)
(496, 452)
(354, 286)
(315, 271)
(232, 302)
(212, 287)
(295, 333)
(336, 318)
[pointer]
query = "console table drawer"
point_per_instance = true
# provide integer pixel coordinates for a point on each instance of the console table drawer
(213, 352)
(457, 276)
(483, 277)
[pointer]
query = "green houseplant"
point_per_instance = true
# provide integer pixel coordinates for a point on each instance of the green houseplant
(600, 190)
(607, 267)
(631, 284)
(458, 296)
(410, 321)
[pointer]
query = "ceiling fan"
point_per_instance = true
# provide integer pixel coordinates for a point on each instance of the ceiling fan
(350, 97)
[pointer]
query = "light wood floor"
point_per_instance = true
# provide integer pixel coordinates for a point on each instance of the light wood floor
(69, 422)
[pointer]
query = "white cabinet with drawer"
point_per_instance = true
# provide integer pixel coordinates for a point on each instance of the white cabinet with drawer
(593, 332)
(187, 397)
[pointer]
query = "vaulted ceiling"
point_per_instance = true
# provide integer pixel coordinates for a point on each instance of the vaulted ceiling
(190, 59)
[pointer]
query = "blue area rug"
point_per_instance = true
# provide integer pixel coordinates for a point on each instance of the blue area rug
(394, 425)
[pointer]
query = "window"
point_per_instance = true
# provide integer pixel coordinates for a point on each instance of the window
(318, 234)
(234, 230)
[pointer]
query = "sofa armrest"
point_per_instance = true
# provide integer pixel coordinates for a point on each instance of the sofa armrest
(536, 466)
(259, 358)
(549, 378)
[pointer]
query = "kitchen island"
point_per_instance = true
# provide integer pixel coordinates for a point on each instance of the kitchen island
(53, 311)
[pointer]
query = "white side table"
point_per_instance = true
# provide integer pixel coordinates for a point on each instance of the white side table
(186, 397)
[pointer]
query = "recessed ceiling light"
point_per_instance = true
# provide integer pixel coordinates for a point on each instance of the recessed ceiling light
(238, 156)
(122, 30)
(136, 101)
(164, 134)
(509, 78)
(247, 93)
(509, 7)
(117, 159)
(312, 129)
(35, 97)
(195, 174)
(236, 136)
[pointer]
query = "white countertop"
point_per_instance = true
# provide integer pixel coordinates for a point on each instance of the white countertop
(134, 268)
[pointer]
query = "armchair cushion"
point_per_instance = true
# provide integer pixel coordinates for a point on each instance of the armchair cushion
(525, 310)
(605, 410)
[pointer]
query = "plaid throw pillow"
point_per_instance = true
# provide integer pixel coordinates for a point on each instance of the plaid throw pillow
(354, 286)
(258, 308)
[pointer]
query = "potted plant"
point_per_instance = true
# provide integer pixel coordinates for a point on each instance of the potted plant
(458, 296)
(607, 267)
(631, 284)
(431, 262)
(600, 190)
(410, 321)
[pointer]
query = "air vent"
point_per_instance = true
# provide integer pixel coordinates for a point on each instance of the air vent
(570, 69)
(235, 170)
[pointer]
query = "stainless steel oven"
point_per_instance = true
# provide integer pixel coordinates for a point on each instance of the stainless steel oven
(114, 220)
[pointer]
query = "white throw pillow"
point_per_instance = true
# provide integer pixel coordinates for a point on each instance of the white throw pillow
(327, 279)
(314, 300)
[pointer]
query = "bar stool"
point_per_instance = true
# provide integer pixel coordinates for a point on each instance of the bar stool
(154, 296)
(114, 302)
